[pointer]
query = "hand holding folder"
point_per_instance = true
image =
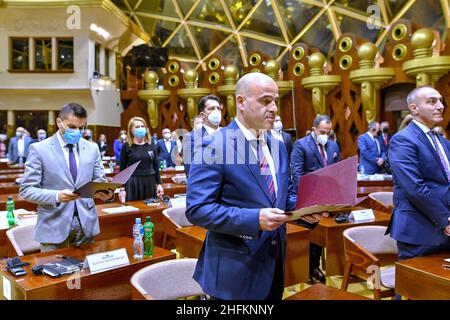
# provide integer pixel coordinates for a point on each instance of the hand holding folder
(89, 189)
(329, 188)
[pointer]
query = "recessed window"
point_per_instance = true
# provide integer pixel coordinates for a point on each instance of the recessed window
(43, 55)
(20, 52)
(65, 54)
(97, 57)
(107, 62)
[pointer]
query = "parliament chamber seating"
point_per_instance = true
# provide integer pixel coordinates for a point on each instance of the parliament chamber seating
(173, 218)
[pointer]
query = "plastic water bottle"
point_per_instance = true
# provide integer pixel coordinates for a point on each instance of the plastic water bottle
(361, 168)
(10, 211)
(148, 237)
(111, 166)
(138, 244)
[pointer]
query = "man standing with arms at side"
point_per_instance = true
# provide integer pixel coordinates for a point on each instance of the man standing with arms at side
(210, 111)
(420, 168)
(18, 146)
(167, 148)
(239, 192)
(372, 152)
(278, 133)
(54, 169)
(309, 154)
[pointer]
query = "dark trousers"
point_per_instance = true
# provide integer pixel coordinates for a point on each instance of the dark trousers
(315, 253)
(408, 251)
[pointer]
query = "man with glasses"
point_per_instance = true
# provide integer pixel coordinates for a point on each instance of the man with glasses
(54, 169)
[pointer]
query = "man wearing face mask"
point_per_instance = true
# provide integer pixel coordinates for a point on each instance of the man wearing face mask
(309, 154)
(3, 138)
(278, 133)
(87, 135)
(18, 146)
(41, 135)
(54, 169)
(210, 111)
(167, 148)
(385, 135)
(372, 152)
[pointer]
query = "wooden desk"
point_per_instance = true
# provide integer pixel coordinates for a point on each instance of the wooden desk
(10, 177)
(108, 285)
(172, 171)
(167, 178)
(323, 292)
(190, 240)
(9, 188)
(19, 203)
(171, 189)
(11, 171)
(377, 183)
(365, 191)
(328, 234)
(423, 278)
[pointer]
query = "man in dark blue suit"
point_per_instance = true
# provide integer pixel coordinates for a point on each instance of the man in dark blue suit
(18, 146)
(278, 133)
(372, 151)
(420, 167)
(238, 190)
(210, 111)
(385, 135)
(310, 153)
(167, 148)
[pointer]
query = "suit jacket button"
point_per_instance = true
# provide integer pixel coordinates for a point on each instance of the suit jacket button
(274, 242)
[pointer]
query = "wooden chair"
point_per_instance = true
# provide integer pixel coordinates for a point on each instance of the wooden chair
(366, 250)
(167, 280)
(21, 238)
(173, 218)
(385, 199)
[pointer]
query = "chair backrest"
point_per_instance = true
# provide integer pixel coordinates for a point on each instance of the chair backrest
(167, 280)
(372, 238)
(386, 198)
(21, 238)
(178, 216)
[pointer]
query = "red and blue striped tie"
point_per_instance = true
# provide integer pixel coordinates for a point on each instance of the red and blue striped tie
(265, 171)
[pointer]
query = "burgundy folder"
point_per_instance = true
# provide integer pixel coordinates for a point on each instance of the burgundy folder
(329, 188)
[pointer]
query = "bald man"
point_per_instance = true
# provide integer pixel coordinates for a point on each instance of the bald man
(419, 161)
(18, 146)
(238, 189)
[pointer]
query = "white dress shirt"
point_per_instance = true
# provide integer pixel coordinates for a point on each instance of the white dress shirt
(249, 136)
(21, 147)
(168, 144)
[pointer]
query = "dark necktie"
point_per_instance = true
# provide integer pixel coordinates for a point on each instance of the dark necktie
(72, 162)
(265, 171)
(440, 155)
(322, 154)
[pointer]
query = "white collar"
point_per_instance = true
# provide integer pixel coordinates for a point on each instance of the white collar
(249, 136)
(422, 127)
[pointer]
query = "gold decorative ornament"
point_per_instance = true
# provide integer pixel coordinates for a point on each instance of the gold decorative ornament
(213, 64)
(230, 73)
(298, 69)
(399, 32)
(272, 68)
(345, 62)
(174, 80)
(255, 59)
(298, 53)
(191, 92)
(173, 67)
(399, 52)
(214, 77)
(345, 44)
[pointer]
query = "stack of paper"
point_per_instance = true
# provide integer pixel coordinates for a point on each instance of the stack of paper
(121, 209)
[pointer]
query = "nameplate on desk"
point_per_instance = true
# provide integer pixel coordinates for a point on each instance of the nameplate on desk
(179, 168)
(376, 177)
(4, 160)
(362, 215)
(103, 261)
(3, 220)
(121, 209)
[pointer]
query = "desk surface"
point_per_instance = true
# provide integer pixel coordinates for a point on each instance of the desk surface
(375, 183)
(365, 191)
(423, 278)
(112, 284)
(323, 292)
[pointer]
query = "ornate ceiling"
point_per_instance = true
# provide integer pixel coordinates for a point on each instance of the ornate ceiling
(196, 29)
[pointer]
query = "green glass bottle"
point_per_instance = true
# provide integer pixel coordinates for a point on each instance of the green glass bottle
(148, 237)
(10, 211)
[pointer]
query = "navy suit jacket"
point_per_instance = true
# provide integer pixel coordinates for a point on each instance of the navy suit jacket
(165, 154)
(368, 153)
(237, 260)
(306, 157)
(13, 151)
(421, 189)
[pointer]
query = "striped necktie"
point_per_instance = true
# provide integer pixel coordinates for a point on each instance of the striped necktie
(265, 171)
(440, 155)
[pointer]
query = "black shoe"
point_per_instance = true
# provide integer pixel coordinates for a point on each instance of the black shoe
(318, 275)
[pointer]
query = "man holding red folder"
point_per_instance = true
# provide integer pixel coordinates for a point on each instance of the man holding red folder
(309, 154)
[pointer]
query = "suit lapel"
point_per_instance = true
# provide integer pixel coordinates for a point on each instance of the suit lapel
(81, 157)
(59, 154)
(315, 150)
(275, 146)
(247, 156)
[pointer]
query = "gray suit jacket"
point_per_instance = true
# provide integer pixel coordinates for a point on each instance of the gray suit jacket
(47, 173)
(13, 149)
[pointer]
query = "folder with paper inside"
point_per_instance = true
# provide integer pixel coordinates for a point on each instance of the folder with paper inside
(328, 188)
(89, 189)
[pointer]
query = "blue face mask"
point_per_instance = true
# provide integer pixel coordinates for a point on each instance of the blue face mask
(140, 132)
(72, 136)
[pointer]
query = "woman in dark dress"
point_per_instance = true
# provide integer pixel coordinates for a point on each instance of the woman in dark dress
(146, 181)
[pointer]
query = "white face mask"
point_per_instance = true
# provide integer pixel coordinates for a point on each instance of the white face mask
(322, 139)
(167, 135)
(123, 136)
(215, 117)
(198, 126)
(277, 125)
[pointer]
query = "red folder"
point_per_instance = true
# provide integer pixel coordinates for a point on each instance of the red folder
(331, 187)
